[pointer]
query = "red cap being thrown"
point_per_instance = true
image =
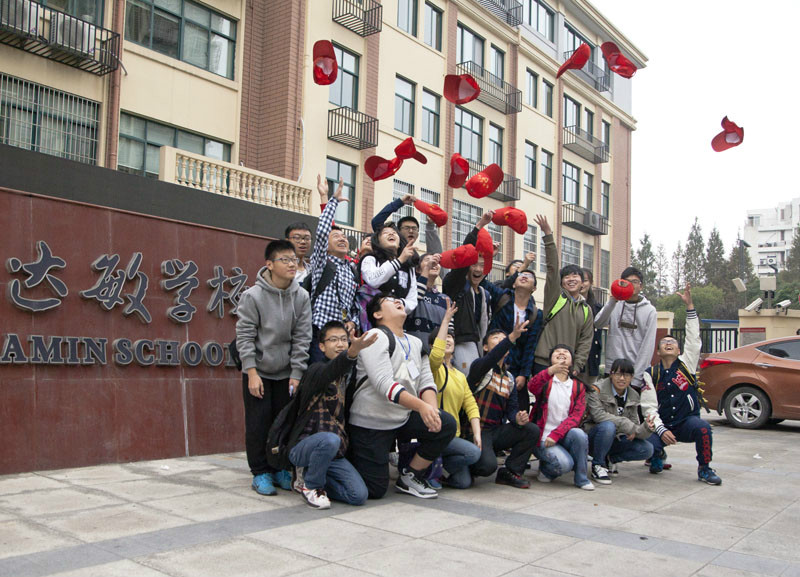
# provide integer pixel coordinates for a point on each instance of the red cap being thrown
(461, 88)
(577, 61)
(731, 135)
(512, 217)
(325, 67)
(460, 257)
(617, 61)
(378, 168)
(459, 170)
(406, 150)
(485, 182)
(435, 213)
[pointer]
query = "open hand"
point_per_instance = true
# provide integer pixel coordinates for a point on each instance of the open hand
(541, 220)
(358, 344)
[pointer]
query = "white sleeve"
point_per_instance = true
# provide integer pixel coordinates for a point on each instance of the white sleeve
(601, 320)
(374, 275)
(378, 367)
(412, 296)
(692, 344)
(649, 402)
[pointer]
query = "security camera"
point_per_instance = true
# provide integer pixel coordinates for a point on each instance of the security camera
(739, 284)
(754, 306)
(783, 305)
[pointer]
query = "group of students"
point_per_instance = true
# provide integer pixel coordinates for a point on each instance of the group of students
(445, 381)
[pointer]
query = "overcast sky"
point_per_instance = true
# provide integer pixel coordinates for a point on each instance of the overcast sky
(706, 60)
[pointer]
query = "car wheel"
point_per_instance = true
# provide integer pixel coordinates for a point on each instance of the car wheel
(747, 408)
(775, 421)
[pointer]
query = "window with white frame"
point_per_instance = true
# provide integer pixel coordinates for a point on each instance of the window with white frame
(533, 88)
(407, 16)
(574, 39)
(571, 182)
(495, 145)
(469, 46)
(334, 170)
(540, 17)
(570, 251)
(588, 190)
(530, 164)
(404, 105)
(605, 199)
(588, 256)
(469, 135)
(465, 215)
(430, 117)
(344, 91)
(572, 113)
(588, 121)
(530, 242)
(548, 98)
(433, 26)
(497, 63)
(547, 172)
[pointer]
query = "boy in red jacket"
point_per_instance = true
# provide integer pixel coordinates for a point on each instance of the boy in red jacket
(558, 410)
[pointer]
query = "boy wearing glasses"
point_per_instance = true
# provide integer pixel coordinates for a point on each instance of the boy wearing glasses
(631, 327)
(612, 420)
(273, 334)
(299, 235)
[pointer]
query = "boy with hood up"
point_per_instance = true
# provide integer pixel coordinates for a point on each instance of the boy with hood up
(273, 335)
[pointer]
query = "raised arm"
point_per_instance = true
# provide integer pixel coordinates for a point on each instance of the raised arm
(319, 255)
(601, 320)
(692, 344)
(552, 284)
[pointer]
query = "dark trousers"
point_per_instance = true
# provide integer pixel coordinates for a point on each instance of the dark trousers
(258, 417)
(370, 448)
(694, 429)
(521, 441)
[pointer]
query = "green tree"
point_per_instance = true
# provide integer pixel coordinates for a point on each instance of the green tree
(706, 300)
(661, 285)
(793, 258)
(716, 265)
(694, 256)
(676, 269)
(644, 260)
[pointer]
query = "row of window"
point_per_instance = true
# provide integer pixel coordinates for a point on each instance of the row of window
(571, 180)
(407, 21)
(405, 102)
(580, 117)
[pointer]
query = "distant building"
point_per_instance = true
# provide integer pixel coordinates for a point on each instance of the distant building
(769, 232)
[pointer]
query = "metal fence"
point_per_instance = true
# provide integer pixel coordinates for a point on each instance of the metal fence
(713, 340)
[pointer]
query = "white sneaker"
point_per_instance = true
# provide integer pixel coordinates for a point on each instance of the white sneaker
(298, 484)
(600, 474)
(587, 487)
(542, 478)
(316, 498)
(409, 483)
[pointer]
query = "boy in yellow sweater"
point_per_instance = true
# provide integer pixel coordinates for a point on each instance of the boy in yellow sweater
(453, 395)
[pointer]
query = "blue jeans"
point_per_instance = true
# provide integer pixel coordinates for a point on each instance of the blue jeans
(456, 458)
(317, 454)
(571, 452)
(604, 443)
(693, 429)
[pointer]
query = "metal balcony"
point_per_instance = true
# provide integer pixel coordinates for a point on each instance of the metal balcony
(495, 92)
(592, 74)
(585, 145)
(55, 35)
(509, 11)
(583, 219)
(354, 238)
(352, 128)
(364, 17)
(508, 191)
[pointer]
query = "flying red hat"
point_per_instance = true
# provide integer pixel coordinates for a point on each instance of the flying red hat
(459, 171)
(461, 88)
(621, 289)
(484, 243)
(406, 150)
(435, 213)
(617, 61)
(731, 135)
(378, 168)
(577, 61)
(485, 182)
(512, 217)
(460, 257)
(325, 67)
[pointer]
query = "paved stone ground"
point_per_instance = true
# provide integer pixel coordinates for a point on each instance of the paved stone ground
(198, 516)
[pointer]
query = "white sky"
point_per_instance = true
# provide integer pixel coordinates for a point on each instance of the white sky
(708, 59)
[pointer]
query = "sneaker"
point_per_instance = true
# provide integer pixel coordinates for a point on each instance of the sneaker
(283, 479)
(664, 465)
(298, 484)
(542, 478)
(435, 484)
(262, 484)
(656, 465)
(708, 475)
(409, 483)
(612, 468)
(316, 498)
(587, 486)
(506, 477)
(600, 474)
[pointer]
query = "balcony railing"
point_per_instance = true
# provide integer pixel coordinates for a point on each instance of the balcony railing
(600, 295)
(354, 238)
(55, 35)
(593, 75)
(364, 17)
(495, 92)
(218, 177)
(352, 128)
(583, 219)
(509, 11)
(585, 145)
(506, 192)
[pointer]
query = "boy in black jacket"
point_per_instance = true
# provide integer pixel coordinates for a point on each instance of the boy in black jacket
(318, 439)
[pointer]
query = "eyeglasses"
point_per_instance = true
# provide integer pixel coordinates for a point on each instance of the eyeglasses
(334, 340)
(622, 375)
(393, 300)
(409, 228)
(298, 238)
(634, 281)
(287, 259)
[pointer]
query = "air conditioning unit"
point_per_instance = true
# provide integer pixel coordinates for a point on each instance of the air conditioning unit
(21, 16)
(72, 34)
(593, 220)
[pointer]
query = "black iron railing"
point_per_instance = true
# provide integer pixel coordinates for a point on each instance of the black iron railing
(585, 145)
(56, 35)
(364, 17)
(354, 238)
(716, 340)
(352, 128)
(583, 219)
(600, 295)
(506, 192)
(509, 11)
(495, 92)
(593, 74)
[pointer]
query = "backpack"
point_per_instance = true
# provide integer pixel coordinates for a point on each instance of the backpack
(559, 304)
(545, 395)
(328, 274)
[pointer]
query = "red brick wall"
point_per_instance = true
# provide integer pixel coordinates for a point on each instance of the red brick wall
(372, 57)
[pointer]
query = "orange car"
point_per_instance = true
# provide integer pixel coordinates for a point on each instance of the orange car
(755, 384)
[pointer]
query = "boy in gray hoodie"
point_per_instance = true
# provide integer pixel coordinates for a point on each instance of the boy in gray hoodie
(273, 335)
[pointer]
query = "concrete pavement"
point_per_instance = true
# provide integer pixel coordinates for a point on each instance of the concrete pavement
(198, 516)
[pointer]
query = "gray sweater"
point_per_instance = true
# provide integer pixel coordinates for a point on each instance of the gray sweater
(375, 403)
(637, 345)
(273, 333)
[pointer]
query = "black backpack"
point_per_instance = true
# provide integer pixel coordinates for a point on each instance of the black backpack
(328, 274)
